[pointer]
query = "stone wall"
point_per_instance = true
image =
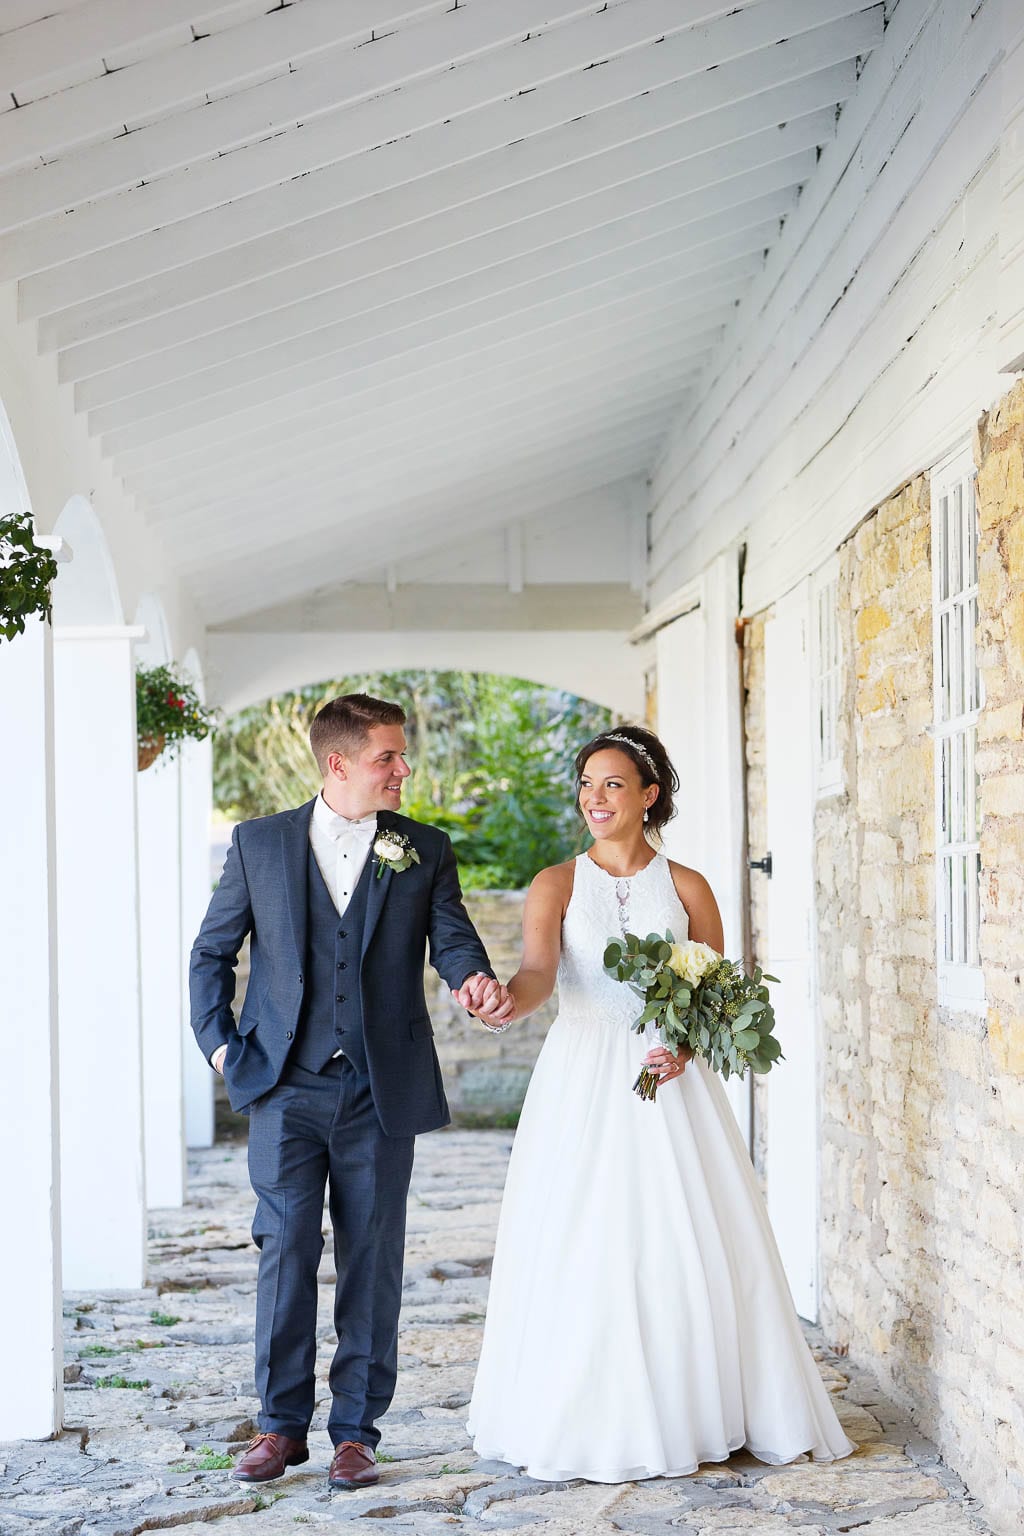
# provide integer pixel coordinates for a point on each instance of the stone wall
(922, 1108)
(485, 1075)
(757, 838)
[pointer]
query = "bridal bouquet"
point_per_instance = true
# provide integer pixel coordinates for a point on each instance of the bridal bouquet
(695, 997)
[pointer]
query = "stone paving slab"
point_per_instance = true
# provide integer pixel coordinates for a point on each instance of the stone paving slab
(159, 1391)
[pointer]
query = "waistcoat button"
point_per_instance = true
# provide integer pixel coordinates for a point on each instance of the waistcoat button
(288, 1034)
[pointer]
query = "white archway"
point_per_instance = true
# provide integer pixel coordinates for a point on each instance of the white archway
(196, 807)
(160, 943)
(102, 1156)
(31, 1388)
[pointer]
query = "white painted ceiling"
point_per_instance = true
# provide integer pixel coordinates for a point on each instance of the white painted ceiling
(337, 281)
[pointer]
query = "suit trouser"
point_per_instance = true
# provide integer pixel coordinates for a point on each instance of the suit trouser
(311, 1130)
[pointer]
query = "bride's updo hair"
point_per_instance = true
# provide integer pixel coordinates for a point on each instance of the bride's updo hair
(652, 762)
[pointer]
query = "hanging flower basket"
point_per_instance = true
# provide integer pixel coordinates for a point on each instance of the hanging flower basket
(149, 750)
(26, 575)
(168, 712)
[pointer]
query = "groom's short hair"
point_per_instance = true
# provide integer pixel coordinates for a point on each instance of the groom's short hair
(343, 725)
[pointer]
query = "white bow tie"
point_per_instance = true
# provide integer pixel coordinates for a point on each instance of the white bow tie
(340, 830)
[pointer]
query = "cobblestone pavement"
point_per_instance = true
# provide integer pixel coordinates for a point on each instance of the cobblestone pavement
(160, 1390)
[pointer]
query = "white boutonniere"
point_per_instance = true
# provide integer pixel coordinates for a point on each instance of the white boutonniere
(393, 850)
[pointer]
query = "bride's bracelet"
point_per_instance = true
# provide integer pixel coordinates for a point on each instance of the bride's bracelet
(495, 1029)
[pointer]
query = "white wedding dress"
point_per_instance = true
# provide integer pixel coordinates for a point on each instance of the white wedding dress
(639, 1321)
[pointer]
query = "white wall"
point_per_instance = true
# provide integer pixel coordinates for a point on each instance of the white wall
(876, 332)
(244, 668)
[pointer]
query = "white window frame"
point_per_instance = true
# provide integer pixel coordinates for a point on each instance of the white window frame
(957, 703)
(826, 678)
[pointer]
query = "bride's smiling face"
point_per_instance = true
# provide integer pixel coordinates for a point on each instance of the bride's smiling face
(613, 797)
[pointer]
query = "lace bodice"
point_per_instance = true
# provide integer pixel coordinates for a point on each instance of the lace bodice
(602, 908)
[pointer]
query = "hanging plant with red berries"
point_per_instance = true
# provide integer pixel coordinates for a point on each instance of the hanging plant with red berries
(168, 711)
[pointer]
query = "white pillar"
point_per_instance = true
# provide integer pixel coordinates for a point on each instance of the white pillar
(31, 1383)
(102, 1177)
(196, 803)
(159, 813)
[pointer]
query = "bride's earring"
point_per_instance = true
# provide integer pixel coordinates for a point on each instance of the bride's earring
(647, 814)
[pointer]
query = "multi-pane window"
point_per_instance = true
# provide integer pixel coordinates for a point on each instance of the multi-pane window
(826, 662)
(957, 703)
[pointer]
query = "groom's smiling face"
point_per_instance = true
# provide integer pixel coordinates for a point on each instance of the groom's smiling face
(370, 780)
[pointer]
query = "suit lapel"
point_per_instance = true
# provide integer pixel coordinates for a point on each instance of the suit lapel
(295, 848)
(378, 887)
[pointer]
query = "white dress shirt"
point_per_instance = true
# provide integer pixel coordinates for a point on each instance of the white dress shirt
(341, 848)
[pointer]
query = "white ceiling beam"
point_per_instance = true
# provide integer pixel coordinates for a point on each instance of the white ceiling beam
(652, 374)
(726, 280)
(369, 531)
(295, 113)
(238, 591)
(62, 38)
(240, 357)
(175, 265)
(438, 524)
(126, 424)
(559, 283)
(256, 310)
(23, 13)
(666, 362)
(213, 65)
(223, 446)
(208, 536)
(250, 457)
(349, 456)
(306, 152)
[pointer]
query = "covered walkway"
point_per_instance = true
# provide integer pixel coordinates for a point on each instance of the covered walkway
(665, 351)
(143, 1457)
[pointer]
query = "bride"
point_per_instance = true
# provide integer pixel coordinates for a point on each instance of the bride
(639, 1320)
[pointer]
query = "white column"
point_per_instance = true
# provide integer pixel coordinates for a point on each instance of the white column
(196, 803)
(31, 1383)
(102, 1167)
(159, 813)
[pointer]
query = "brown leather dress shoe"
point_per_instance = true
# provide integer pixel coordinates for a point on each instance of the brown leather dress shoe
(354, 1466)
(267, 1456)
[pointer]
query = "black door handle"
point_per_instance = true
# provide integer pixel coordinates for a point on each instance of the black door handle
(765, 864)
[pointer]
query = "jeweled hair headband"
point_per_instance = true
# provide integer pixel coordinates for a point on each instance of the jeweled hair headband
(641, 751)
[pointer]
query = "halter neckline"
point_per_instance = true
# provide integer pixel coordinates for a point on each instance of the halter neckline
(608, 874)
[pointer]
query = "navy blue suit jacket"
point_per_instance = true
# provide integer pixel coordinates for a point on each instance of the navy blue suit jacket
(262, 892)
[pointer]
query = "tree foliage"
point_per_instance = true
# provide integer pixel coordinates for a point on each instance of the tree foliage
(491, 761)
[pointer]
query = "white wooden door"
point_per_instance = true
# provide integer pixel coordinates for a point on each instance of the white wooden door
(680, 657)
(696, 692)
(792, 1109)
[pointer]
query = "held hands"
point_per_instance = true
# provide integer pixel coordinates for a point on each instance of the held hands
(488, 999)
(665, 1065)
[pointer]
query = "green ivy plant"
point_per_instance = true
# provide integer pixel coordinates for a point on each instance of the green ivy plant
(168, 711)
(26, 575)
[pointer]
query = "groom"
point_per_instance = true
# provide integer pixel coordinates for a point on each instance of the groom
(334, 1061)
